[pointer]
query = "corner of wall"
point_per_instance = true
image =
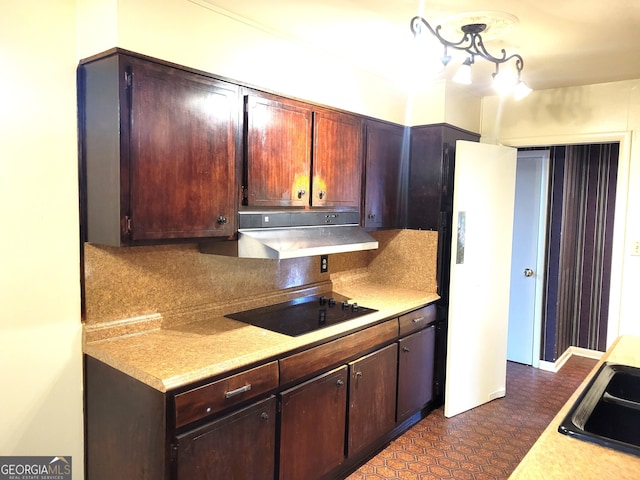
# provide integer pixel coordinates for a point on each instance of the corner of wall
(427, 105)
(462, 107)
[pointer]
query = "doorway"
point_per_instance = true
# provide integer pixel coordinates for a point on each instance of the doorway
(527, 257)
(571, 300)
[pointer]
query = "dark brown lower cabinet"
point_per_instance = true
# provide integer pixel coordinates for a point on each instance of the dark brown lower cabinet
(415, 371)
(125, 426)
(240, 446)
(320, 428)
(372, 397)
(312, 426)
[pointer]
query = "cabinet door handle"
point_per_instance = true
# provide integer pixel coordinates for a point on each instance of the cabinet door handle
(237, 391)
(371, 216)
(419, 319)
(264, 416)
(405, 349)
(222, 220)
(301, 193)
(358, 374)
(321, 194)
(340, 382)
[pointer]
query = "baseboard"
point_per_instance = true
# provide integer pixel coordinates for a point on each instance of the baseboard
(498, 394)
(562, 359)
(585, 352)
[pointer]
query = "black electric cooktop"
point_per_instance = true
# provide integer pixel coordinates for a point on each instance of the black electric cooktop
(303, 315)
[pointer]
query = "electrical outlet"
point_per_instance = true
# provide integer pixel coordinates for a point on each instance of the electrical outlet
(635, 249)
(324, 263)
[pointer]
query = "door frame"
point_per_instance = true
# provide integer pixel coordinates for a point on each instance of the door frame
(541, 252)
(619, 224)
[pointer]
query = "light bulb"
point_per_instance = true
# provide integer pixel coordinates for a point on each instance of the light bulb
(520, 91)
(463, 75)
(504, 82)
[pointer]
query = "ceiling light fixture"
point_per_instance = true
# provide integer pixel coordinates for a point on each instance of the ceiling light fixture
(473, 45)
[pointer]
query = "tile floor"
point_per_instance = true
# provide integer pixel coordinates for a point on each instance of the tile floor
(486, 442)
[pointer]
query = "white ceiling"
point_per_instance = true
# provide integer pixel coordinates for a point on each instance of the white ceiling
(563, 42)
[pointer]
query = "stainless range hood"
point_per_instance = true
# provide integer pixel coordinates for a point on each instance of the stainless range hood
(292, 234)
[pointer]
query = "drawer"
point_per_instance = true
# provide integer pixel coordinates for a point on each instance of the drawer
(332, 353)
(418, 319)
(200, 402)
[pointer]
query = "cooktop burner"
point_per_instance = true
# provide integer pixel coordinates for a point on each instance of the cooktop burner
(303, 315)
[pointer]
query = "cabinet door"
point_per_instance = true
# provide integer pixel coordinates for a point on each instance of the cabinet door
(183, 135)
(431, 173)
(278, 142)
(337, 160)
(385, 178)
(425, 177)
(415, 371)
(238, 446)
(312, 426)
(372, 397)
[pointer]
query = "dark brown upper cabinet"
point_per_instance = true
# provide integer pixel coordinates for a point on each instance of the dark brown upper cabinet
(386, 154)
(337, 160)
(298, 155)
(159, 151)
(431, 173)
(278, 146)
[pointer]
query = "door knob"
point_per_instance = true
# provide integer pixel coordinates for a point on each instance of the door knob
(528, 272)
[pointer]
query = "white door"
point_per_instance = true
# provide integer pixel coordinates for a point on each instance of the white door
(527, 258)
(483, 202)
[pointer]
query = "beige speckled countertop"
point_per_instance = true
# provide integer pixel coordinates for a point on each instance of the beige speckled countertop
(558, 456)
(169, 357)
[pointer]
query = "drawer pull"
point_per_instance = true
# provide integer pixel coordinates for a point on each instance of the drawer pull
(237, 391)
(419, 319)
(406, 349)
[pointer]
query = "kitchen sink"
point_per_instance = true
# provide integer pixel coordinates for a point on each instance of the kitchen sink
(608, 411)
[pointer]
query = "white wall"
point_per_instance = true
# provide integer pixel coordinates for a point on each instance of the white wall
(443, 102)
(199, 35)
(587, 114)
(40, 329)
